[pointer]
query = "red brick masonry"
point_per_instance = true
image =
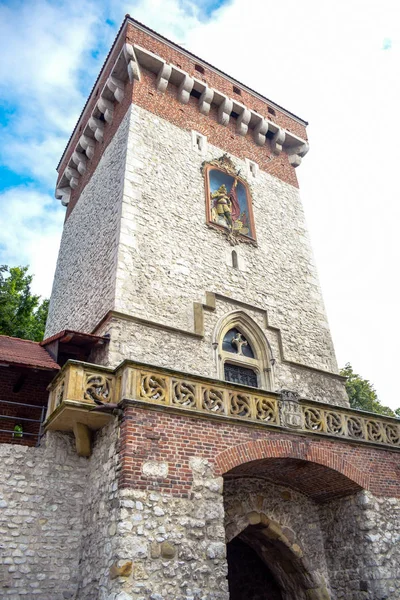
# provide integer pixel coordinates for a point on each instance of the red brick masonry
(321, 468)
(166, 105)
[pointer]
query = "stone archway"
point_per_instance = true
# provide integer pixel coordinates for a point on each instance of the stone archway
(275, 518)
(287, 572)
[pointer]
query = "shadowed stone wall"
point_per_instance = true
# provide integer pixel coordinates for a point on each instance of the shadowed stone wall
(84, 281)
(362, 544)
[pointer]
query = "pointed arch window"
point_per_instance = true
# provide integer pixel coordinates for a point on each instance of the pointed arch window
(244, 355)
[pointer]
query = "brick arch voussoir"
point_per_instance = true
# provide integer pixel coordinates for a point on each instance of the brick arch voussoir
(303, 450)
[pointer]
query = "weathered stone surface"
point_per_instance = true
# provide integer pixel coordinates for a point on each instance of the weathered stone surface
(42, 491)
(121, 570)
(362, 546)
(85, 276)
(168, 550)
(155, 469)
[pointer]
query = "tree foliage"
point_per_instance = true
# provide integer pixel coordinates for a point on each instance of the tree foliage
(362, 394)
(22, 314)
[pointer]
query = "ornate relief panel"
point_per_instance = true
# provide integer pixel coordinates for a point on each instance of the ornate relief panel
(228, 201)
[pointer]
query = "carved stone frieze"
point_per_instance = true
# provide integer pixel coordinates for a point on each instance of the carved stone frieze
(78, 384)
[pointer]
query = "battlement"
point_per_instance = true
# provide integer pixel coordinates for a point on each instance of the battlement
(148, 70)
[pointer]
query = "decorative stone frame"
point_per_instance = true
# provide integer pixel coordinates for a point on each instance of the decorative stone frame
(262, 363)
(225, 165)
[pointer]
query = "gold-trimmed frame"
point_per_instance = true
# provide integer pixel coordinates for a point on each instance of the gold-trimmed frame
(225, 165)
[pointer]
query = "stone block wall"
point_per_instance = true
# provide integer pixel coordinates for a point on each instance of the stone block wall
(169, 257)
(362, 545)
(84, 281)
(100, 511)
(42, 491)
(144, 517)
(137, 242)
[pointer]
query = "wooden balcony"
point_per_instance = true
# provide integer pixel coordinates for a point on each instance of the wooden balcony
(80, 387)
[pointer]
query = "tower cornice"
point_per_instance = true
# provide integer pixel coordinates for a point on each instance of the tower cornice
(123, 66)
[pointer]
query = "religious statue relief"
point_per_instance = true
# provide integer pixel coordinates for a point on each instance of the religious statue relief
(229, 201)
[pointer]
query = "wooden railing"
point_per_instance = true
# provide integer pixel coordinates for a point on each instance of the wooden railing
(81, 385)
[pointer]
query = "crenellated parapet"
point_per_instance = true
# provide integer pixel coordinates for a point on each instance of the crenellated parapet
(125, 68)
(133, 58)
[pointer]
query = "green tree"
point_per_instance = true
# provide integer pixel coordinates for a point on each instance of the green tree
(362, 394)
(22, 314)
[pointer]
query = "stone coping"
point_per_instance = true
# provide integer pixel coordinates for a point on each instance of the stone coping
(86, 385)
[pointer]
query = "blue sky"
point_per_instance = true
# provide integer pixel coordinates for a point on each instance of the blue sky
(51, 55)
(334, 64)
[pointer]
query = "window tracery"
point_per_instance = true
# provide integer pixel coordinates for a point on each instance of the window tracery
(243, 352)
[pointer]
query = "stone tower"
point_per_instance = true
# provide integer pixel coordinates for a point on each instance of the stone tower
(199, 443)
(145, 256)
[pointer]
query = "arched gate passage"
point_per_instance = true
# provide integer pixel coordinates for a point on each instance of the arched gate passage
(275, 544)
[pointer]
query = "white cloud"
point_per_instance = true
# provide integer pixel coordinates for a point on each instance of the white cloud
(31, 226)
(40, 80)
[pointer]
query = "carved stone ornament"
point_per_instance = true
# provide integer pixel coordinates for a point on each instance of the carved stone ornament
(225, 163)
(288, 395)
(290, 409)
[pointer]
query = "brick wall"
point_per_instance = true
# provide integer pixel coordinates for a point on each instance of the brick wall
(152, 435)
(166, 105)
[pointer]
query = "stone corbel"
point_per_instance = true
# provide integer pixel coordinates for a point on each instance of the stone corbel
(116, 87)
(163, 77)
(296, 153)
(73, 177)
(242, 122)
(132, 63)
(106, 107)
(83, 439)
(224, 111)
(87, 145)
(97, 127)
(185, 88)
(277, 141)
(64, 194)
(80, 160)
(205, 101)
(260, 131)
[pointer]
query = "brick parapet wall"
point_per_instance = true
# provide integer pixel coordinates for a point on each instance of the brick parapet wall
(213, 79)
(188, 117)
(166, 105)
(148, 435)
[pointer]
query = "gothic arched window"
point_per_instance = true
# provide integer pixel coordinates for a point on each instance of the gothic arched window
(244, 355)
(238, 345)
